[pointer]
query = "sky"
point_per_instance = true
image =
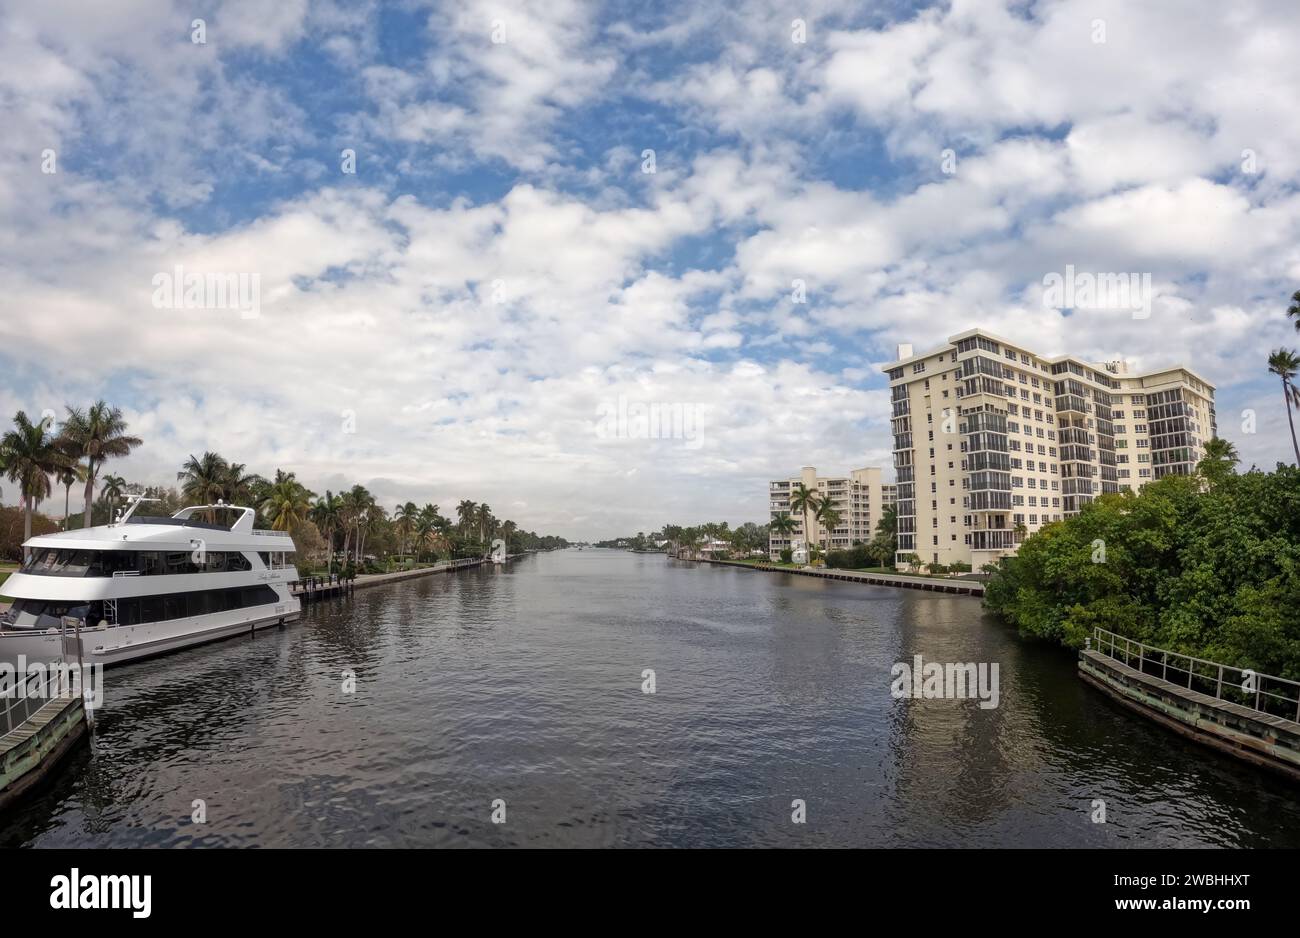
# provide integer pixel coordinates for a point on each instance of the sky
(486, 238)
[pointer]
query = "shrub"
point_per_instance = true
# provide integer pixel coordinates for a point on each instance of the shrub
(936, 568)
(786, 555)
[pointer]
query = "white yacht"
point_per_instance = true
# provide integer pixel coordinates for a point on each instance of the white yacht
(146, 586)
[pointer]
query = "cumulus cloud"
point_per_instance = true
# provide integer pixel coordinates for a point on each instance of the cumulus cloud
(453, 319)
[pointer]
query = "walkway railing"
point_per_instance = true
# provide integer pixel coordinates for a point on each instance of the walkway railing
(22, 694)
(1265, 693)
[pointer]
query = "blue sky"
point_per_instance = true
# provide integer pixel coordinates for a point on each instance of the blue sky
(499, 268)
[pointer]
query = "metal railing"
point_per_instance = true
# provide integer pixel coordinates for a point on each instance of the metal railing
(1264, 693)
(22, 695)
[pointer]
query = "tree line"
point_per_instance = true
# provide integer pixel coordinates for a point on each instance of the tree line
(351, 528)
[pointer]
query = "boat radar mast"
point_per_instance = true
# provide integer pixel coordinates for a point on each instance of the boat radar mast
(133, 503)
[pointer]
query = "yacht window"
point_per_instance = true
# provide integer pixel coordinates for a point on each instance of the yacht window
(41, 561)
(174, 606)
(151, 608)
(52, 562)
(179, 562)
(128, 611)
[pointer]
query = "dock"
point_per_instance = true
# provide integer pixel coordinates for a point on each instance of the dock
(315, 589)
(933, 584)
(32, 747)
(1244, 714)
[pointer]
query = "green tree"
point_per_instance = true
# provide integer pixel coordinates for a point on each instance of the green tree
(1285, 364)
(1218, 462)
(96, 434)
(404, 518)
(465, 514)
(327, 514)
(1212, 573)
(806, 501)
(30, 453)
(68, 476)
(112, 490)
(829, 517)
(286, 502)
(782, 525)
(203, 480)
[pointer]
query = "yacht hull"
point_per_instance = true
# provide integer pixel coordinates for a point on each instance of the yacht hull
(123, 643)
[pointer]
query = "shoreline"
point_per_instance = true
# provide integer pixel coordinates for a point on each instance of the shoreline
(900, 580)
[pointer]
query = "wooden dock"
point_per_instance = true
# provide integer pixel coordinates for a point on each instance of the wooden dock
(35, 747)
(936, 585)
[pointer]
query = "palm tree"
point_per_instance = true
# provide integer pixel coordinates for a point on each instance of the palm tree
(781, 525)
(30, 454)
(829, 516)
(96, 435)
(203, 480)
(326, 514)
(1285, 364)
(1218, 461)
(805, 500)
(888, 523)
(286, 502)
(423, 529)
(240, 487)
(374, 522)
(69, 476)
(1293, 311)
(112, 489)
(465, 513)
(404, 518)
(485, 522)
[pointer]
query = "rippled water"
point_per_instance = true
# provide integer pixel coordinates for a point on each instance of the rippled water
(525, 684)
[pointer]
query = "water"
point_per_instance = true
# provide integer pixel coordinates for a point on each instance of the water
(525, 685)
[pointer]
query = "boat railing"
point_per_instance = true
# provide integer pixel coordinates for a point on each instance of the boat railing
(1264, 693)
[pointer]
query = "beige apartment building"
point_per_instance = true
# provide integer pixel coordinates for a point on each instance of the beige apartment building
(859, 497)
(990, 436)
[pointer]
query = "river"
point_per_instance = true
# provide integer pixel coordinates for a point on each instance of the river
(520, 692)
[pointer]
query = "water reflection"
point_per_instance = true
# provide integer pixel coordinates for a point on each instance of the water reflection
(525, 684)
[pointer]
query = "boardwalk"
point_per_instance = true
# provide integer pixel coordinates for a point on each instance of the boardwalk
(1187, 695)
(963, 587)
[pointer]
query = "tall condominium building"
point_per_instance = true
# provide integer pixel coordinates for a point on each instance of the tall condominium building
(989, 436)
(859, 497)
